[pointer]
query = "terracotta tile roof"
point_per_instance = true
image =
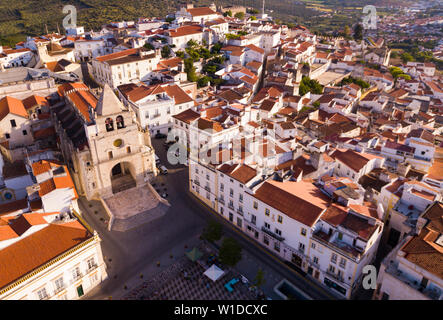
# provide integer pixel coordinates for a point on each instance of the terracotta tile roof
(351, 159)
(178, 94)
(187, 116)
(301, 201)
(254, 64)
(251, 81)
(185, 31)
(423, 194)
(435, 172)
(33, 251)
(255, 48)
(117, 55)
(169, 63)
(268, 104)
(335, 215)
(81, 97)
(367, 209)
(204, 124)
(13, 206)
(241, 173)
(43, 166)
(359, 225)
(12, 105)
(57, 182)
(14, 169)
(34, 100)
(202, 11)
(423, 249)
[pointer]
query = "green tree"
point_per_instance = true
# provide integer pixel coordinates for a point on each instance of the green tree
(228, 13)
(230, 252)
(166, 52)
(252, 18)
(209, 68)
(190, 70)
(406, 57)
(358, 32)
(191, 44)
(148, 46)
(395, 71)
(231, 36)
(240, 15)
(404, 76)
(216, 48)
(169, 19)
(214, 230)
(203, 81)
(180, 54)
(310, 85)
(259, 278)
(204, 53)
(219, 59)
(193, 54)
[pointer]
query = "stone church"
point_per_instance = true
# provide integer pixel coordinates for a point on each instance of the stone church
(101, 142)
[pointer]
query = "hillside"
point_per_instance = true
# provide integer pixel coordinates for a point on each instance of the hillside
(29, 17)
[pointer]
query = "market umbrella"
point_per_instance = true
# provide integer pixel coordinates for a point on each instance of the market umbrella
(194, 254)
(214, 273)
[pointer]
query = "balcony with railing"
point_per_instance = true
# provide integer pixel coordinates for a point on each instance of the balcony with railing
(272, 234)
(240, 211)
(335, 276)
(60, 288)
(76, 277)
(207, 188)
(221, 200)
(231, 206)
(91, 268)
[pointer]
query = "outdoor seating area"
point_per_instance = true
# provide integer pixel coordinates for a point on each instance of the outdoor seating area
(196, 276)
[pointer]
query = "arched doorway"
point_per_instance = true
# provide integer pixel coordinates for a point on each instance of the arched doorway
(122, 177)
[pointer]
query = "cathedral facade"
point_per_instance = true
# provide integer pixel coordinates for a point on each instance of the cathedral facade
(102, 144)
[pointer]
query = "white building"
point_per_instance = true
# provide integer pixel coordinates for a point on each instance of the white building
(179, 37)
(355, 165)
(413, 270)
(128, 66)
(10, 58)
(85, 50)
(155, 105)
(200, 14)
(48, 256)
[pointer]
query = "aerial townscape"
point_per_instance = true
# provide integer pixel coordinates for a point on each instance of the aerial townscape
(221, 153)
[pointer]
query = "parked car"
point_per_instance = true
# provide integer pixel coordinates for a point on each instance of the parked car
(163, 169)
(160, 136)
(157, 160)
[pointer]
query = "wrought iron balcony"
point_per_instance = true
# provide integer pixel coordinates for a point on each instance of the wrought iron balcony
(272, 234)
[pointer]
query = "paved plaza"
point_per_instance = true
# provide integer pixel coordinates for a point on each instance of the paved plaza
(171, 284)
